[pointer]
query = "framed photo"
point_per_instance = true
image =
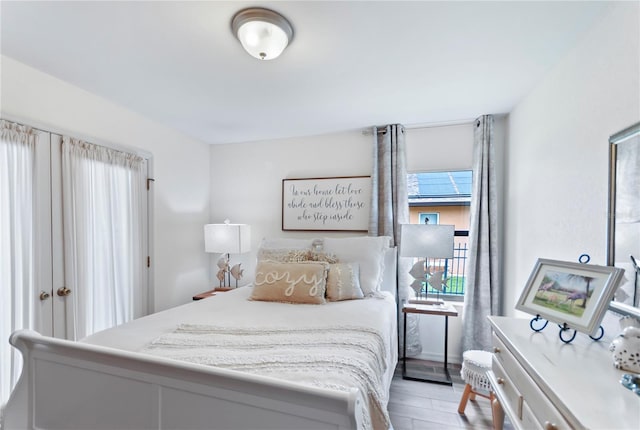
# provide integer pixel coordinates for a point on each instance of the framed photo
(326, 204)
(572, 293)
(623, 229)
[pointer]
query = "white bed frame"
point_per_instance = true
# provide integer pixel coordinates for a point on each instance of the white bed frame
(72, 385)
(75, 385)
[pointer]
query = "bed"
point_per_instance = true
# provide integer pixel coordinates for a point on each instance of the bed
(227, 362)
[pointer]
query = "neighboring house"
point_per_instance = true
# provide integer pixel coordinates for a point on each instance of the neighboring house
(440, 197)
(444, 197)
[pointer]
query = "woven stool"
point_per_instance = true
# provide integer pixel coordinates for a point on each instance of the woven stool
(475, 365)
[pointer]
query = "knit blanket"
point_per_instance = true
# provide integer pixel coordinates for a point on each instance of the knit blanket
(337, 358)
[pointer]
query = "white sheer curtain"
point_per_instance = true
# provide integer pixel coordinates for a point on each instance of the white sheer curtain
(103, 192)
(17, 232)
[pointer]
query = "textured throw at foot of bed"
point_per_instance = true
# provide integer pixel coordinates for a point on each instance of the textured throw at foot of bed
(337, 358)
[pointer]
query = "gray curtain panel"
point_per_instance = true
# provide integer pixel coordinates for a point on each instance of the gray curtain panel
(482, 295)
(389, 209)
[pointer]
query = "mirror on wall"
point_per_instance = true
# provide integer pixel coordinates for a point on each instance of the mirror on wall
(623, 235)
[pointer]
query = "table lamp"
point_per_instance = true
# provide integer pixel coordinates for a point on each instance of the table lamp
(227, 239)
(426, 241)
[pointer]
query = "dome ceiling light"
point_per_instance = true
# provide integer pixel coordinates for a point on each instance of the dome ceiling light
(263, 33)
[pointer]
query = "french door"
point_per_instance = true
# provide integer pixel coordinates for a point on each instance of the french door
(74, 235)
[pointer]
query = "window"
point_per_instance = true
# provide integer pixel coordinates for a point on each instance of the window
(444, 198)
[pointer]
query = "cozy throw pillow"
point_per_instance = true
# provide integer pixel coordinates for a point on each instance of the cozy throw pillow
(290, 282)
(343, 282)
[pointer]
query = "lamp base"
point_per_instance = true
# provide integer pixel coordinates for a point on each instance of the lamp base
(426, 302)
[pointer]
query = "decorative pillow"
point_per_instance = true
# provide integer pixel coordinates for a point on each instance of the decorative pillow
(343, 282)
(323, 256)
(368, 251)
(290, 282)
(284, 255)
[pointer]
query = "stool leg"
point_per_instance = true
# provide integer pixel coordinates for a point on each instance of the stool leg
(497, 412)
(464, 399)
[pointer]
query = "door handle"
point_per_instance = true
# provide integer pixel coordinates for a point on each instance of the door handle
(63, 291)
(44, 295)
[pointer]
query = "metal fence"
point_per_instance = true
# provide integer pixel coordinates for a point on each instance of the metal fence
(454, 270)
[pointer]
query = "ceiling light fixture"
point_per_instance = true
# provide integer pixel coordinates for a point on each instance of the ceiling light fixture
(264, 34)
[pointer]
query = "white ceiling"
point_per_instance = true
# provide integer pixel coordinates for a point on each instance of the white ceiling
(352, 64)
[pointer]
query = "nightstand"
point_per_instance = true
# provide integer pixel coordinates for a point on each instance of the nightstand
(428, 308)
(210, 293)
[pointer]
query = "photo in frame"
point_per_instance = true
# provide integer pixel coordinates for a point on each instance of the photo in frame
(573, 293)
(326, 204)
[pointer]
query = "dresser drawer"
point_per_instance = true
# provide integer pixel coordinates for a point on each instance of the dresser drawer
(547, 415)
(508, 361)
(534, 404)
(506, 390)
(529, 420)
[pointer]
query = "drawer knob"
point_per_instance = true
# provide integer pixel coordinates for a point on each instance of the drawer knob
(496, 349)
(550, 426)
(500, 381)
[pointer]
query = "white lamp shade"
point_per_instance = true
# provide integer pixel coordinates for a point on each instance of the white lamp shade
(424, 240)
(227, 238)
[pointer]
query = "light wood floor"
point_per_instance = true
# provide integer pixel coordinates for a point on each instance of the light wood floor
(417, 405)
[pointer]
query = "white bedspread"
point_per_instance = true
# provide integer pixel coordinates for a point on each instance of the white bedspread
(336, 345)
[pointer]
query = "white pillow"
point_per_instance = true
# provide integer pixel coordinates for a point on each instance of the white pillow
(367, 251)
(389, 270)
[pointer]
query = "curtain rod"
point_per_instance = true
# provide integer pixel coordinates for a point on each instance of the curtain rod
(369, 131)
(54, 130)
(22, 124)
(440, 124)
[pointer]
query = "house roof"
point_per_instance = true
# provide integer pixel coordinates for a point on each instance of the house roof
(440, 185)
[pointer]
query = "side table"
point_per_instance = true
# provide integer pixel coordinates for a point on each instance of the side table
(444, 310)
(210, 293)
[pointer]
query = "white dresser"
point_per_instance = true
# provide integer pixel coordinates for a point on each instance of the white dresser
(543, 383)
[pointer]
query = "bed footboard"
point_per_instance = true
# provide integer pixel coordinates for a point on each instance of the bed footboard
(73, 385)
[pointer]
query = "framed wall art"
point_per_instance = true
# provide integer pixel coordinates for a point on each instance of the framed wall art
(573, 293)
(623, 229)
(326, 204)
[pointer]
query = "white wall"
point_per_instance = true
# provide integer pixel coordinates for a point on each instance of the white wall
(440, 148)
(246, 180)
(557, 156)
(180, 167)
